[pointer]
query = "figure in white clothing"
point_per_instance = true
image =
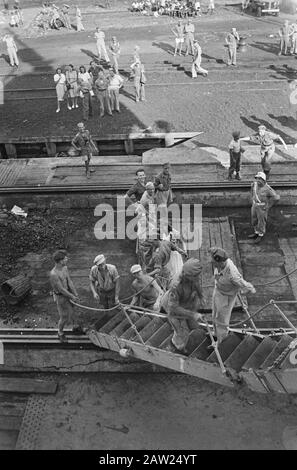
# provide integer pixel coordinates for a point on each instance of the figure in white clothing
(12, 50)
(100, 43)
(196, 65)
(79, 25)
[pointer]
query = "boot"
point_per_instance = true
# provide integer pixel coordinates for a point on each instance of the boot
(238, 177)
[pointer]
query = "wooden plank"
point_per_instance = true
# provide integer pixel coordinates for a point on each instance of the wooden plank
(8, 439)
(24, 385)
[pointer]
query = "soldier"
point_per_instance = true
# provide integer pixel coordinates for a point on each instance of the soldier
(231, 40)
(263, 198)
(115, 50)
(182, 302)
(196, 66)
(228, 283)
(160, 260)
(63, 291)
(163, 186)
(85, 145)
(147, 290)
(102, 93)
(189, 30)
(138, 74)
(105, 282)
(235, 150)
(100, 43)
(115, 84)
(266, 139)
(136, 191)
(285, 32)
(12, 50)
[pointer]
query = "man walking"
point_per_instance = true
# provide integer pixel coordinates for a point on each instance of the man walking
(263, 198)
(266, 140)
(232, 39)
(100, 43)
(228, 283)
(285, 32)
(182, 301)
(102, 93)
(11, 50)
(83, 143)
(178, 32)
(63, 291)
(115, 84)
(104, 282)
(147, 290)
(189, 30)
(196, 65)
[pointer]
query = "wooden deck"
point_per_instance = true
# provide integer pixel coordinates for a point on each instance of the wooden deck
(190, 166)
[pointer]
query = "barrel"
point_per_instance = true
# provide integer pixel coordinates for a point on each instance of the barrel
(241, 45)
(16, 288)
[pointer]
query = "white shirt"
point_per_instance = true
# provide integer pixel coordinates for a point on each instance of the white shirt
(9, 42)
(85, 77)
(116, 81)
(100, 35)
(61, 77)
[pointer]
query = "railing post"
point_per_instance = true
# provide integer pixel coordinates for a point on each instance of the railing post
(244, 308)
(283, 315)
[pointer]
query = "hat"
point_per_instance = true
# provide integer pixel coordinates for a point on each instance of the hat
(262, 127)
(261, 175)
(136, 268)
(218, 254)
(192, 267)
(59, 255)
(149, 185)
(166, 165)
(99, 259)
(80, 124)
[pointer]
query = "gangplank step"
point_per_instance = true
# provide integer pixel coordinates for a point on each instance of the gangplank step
(124, 325)
(226, 348)
(112, 323)
(166, 342)
(278, 349)
(149, 329)
(202, 352)
(158, 337)
(139, 324)
(197, 336)
(260, 354)
(241, 353)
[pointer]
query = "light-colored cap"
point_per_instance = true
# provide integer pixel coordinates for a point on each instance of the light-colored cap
(149, 185)
(262, 127)
(99, 259)
(136, 268)
(80, 125)
(261, 175)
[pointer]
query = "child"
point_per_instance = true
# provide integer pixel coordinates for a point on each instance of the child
(235, 149)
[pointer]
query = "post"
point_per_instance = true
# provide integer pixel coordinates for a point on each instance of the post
(11, 151)
(244, 308)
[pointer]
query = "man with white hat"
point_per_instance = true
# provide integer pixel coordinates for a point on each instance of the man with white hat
(147, 291)
(105, 282)
(231, 40)
(228, 283)
(263, 197)
(266, 140)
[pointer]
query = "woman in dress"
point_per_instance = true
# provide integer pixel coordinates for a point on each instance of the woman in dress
(60, 81)
(72, 86)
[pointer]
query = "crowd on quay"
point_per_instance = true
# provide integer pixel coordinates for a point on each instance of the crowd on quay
(173, 8)
(165, 279)
(84, 83)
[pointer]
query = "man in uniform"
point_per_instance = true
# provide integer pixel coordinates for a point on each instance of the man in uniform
(105, 282)
(101, 90)
(182, 301)
(85, 145)
(136, 191)
(285, 32)
(12, 50)
(100, 43)
(189, 30)
(231, 40)
(266, 140)
(196, 65)
(228, 283)
(63, 291)
(115, 84)
(163, 186)
(147, 290)
(263, 198)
